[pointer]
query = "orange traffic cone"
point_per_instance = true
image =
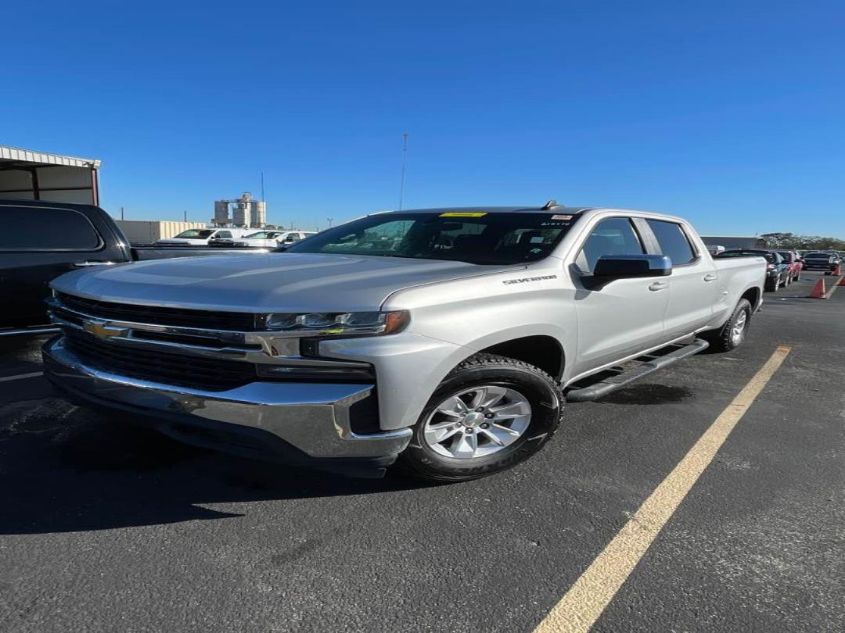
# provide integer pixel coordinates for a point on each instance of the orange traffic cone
(818, 290)
(838, 270)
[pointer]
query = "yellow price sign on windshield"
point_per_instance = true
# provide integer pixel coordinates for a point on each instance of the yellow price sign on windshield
(463, 214)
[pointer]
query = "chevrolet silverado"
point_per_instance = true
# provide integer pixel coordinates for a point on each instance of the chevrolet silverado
(446, 340)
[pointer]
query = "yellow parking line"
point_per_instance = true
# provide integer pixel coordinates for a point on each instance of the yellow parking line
(585, 601)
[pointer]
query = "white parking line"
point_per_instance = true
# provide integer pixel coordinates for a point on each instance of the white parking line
(585, 600)
(21, 376)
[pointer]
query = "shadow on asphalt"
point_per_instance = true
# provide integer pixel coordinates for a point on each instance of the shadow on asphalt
(647, 393)
(69, 469)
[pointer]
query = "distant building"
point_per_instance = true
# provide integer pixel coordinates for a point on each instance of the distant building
(246, 212)
(735, 241)
(148, 231)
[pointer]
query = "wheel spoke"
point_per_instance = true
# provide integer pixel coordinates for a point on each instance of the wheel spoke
(465, 445)
(487, 396)
(505, 429)
(436, 434)
(478, 397)
(494, 436)
(509, 410)
(454, 407)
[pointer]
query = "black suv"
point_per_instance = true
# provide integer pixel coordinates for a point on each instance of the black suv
(821, 261)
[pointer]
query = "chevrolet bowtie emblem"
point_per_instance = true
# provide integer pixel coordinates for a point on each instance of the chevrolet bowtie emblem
(102, 330)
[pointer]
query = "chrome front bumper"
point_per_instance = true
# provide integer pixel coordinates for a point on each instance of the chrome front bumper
(311, 419)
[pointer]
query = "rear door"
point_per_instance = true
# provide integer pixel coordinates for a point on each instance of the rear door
(624, 316)
(37, 244)
(694, 286)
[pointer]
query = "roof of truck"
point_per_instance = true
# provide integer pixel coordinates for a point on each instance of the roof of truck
(523, 209)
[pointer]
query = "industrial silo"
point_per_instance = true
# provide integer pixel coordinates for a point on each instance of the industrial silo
(242, 214)
(259, 217)
(221, 212)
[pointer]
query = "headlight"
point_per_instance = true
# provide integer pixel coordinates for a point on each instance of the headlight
(336, 323)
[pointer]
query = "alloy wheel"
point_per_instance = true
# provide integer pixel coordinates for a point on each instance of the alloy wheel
(477, 422)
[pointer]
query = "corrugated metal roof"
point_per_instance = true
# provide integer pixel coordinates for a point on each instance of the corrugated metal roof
(18, 154)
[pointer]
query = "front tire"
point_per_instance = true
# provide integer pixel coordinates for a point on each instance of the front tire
(489, 414)
(733, 333)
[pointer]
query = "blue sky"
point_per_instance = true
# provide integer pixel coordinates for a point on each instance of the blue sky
(729, 113)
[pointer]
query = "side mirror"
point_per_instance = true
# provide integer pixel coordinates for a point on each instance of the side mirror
(612, 267)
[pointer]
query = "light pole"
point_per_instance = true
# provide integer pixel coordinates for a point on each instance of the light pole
(330, 220)
(404, 160)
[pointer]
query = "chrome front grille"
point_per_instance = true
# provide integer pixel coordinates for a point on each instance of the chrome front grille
(132, 341)
(206, 319)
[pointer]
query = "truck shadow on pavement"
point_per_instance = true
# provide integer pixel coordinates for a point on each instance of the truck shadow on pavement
(68, 469)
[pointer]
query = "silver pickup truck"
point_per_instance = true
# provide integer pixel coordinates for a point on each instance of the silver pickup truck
(446, 339)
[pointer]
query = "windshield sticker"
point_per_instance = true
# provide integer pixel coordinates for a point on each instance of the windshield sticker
(561, 217)
(525, 280)
(463, 214)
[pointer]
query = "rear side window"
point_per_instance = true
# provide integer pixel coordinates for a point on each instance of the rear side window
(673, 241)
(614, 236)
(46, 229)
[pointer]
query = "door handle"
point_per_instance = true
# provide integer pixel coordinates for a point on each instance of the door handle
(711, 277)
(658, 285)
(86, 264)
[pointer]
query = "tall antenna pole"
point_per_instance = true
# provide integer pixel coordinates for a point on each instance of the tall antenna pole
(262, 186)
(404, 160)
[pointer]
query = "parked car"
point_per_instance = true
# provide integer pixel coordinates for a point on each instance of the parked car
(51, 238)
(266, 239)
(821, 261)
(778, 272)
(444, 338)
(202, 237)
(794, 262)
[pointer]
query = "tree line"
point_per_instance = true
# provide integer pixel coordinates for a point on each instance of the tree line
(790, 241)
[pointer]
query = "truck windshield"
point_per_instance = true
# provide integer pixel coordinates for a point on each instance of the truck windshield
(474, 237)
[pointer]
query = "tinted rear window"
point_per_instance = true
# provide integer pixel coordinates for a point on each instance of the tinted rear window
(46, 229)
(673, 241)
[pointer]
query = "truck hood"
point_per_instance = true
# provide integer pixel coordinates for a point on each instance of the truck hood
(284, 282)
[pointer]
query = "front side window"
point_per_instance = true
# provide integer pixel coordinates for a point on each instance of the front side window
(613, 236)
(225, 235)
(474, 237)
(673, 241)
(46, 229)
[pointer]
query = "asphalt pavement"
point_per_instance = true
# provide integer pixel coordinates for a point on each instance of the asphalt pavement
(106, 527)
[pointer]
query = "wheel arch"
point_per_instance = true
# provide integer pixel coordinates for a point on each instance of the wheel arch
(753, 295)
(540, 350)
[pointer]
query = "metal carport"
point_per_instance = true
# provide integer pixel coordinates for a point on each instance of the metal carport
(30, 175)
